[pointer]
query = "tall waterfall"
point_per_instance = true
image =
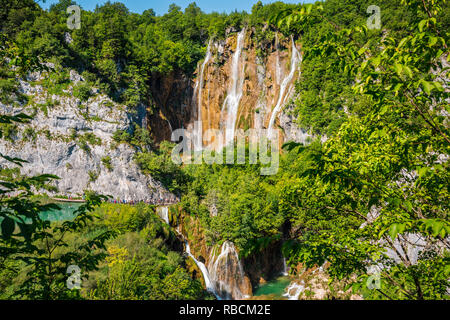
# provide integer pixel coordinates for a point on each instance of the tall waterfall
(227, 273)
(198, 89)
(278, 66)
(231, 103)
(285, 268)
(286, 85)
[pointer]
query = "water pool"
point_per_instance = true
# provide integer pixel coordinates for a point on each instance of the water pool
(274, 288)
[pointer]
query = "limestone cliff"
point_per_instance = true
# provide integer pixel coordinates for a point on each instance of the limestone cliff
(73, 140)
(235, 73)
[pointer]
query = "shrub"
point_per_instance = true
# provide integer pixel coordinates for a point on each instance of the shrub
(107, 162)
(82, 91)
(29, 134)
(93, 176)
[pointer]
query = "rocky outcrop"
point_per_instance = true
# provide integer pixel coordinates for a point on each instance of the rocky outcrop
(172, 104)
(264, 265)
(227, 273)
(73, 140)
(313, 284)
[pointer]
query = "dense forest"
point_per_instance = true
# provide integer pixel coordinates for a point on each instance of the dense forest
(375, 171)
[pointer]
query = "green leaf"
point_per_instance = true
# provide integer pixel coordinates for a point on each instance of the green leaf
(422, 24)
(408, 71)
(7, 227)
(395, 229)
(433, 41)
(427, 87)
(438, 86)
(398, 69)
(408, 205)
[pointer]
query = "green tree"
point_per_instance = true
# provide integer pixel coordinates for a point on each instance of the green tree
(382, 177)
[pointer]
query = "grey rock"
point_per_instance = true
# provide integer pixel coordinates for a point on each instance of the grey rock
(62, 156)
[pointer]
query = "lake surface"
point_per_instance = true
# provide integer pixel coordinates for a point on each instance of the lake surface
(274, 288)
(65, 213)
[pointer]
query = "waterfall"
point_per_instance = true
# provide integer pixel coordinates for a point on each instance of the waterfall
(209, 285)
(278, 66)
(295, 59)
(285, 269)
(227, 273)
(294, 290)
(231, 103)
(170, 126)
(198, 89)
(163, 213)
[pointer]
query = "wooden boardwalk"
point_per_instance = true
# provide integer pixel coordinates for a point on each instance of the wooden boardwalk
(69, 200)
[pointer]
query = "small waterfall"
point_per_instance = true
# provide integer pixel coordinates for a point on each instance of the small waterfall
(198, 89)
(163, 213)
(294, 290)
(231, 103)
(285, 269)
(286, 85)
(227, 273)
(170, 126)
(209, 285)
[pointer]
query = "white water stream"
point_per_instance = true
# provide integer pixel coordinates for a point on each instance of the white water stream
(294, 290)
(234, 95)
(208, 283)
(198, 89)
(286, 85)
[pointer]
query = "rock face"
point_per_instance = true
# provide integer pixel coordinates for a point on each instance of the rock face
(73, 140)
(234, 72)
(172, 100)
(265, 265)
(255, 81)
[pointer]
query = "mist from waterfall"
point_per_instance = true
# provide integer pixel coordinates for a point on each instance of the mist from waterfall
(234, 94)
(287, 84)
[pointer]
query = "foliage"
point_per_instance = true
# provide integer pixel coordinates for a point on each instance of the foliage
(381, 178)
(82, 91)
(159, 165)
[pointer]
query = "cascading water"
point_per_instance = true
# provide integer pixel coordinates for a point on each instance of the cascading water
(227, 273)
(208, 283)
(294, 290)
(286, 85)
(278, 65)
(231, 103)
(163, 213)
(198, 89)
(285, 269)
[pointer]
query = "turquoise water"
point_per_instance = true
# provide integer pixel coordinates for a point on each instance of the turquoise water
(275, 288)
(65, 213)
